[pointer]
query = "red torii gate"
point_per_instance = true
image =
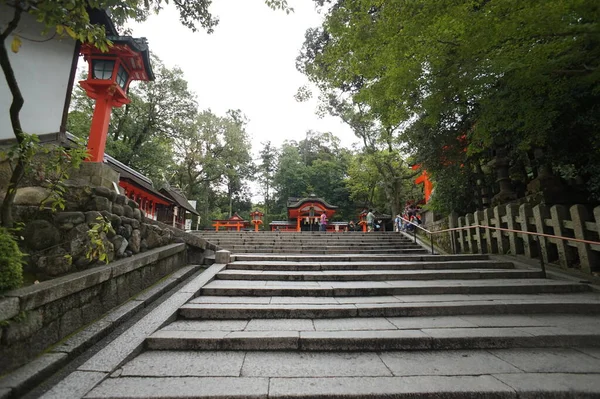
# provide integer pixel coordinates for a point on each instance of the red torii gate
(424, 178)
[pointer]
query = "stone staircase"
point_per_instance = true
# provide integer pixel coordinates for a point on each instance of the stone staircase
(313, 243)
(372, 316)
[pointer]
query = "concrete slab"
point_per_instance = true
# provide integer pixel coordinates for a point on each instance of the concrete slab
(230, 299)
(184, 364)
(261, 340)
(366, 323)
(429, 322)
(303, 299)
(184, 387)
(503, 321)
(75, 386)
(364, 340)
(445, 363)
(549, 360)
(186, 340)
(280, 325)
(594, 352)
(206, 325)
(464, 387)
(312, 364)
(552, 385)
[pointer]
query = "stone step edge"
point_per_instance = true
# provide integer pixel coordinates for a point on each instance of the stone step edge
(382, 291)
(322, 311)
(355, 257)
(379, 340)
(428, 275)
(489, 386)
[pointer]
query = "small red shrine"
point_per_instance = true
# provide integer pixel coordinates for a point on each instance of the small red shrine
(236, 222)
(304, 215)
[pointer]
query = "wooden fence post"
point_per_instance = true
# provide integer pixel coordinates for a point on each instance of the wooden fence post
(529, 246)
(540, 215)
(479, 237)
(461, 234)
(491, 236)
(469, 236)
(453, 223)
(514, 240)
(501, 236)
(565, 253)
(587, 257)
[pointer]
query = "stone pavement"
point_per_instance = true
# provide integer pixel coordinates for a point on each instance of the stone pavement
(388, 320)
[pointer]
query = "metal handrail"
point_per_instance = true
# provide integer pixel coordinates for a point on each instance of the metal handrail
(538, 235)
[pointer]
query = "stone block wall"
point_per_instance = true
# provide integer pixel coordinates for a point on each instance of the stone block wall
(36, 317)
(58, 242)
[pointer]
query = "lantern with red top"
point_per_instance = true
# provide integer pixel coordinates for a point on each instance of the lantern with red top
(256, 218)
(108, 79)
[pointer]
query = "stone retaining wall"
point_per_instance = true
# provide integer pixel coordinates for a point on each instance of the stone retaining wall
(38, 316)
(57, 242)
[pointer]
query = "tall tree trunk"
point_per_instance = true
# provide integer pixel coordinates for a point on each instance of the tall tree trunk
(15, 109)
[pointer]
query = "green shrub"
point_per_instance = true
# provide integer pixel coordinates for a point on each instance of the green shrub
(11, 262)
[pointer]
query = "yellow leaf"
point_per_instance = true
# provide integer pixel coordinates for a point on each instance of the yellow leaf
(71, 32)
(60, 29)
(16, 44)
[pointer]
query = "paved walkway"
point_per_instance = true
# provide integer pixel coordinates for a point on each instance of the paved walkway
(290, 324)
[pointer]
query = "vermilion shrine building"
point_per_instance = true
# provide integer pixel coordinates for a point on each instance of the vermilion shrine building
(304, 215)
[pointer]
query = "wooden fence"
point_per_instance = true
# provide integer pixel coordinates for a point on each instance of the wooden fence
(576, 222)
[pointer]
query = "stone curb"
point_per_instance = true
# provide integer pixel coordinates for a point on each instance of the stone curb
(24, 378)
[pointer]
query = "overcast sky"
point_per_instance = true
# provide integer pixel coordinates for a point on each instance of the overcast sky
(248, 63)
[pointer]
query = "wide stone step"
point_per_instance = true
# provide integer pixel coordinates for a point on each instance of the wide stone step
(315, 240)
(375, 275)
(394, 287)
(454, 374)
(355, 258)
(376, 340)
(359, 265)
(272, 250)
(411, 306)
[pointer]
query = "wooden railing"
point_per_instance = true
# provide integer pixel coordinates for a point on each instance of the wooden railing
(557, 234)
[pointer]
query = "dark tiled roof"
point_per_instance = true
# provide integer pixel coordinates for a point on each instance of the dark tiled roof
(179, 198)
(309, 199)
(134, 176)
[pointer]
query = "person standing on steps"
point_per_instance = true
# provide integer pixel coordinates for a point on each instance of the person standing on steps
(370, 220)
(323, 222)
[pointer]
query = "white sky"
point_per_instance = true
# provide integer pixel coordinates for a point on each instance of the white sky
(248, 63)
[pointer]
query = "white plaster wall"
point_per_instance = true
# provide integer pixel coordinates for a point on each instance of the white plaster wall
(42, 70)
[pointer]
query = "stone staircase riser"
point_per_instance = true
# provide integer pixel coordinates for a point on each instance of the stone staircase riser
(411, 310)
(373, 266)
(379, 291)
(355, 258)
(292, 342)
(383, 277)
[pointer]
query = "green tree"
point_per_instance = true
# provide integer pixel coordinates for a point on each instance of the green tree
(71, 18)
(507, 75)
(266, 170)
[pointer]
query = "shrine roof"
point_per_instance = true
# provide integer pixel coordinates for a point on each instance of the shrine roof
(126, 173)
(301, 201)
(179, 198)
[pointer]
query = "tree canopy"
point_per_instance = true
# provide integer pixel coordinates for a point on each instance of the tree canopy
(500, 74)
